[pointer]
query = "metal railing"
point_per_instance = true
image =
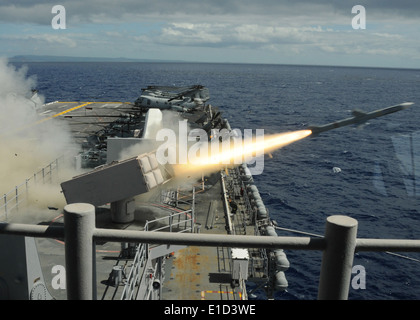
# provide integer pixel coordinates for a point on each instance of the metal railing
(182, 221)
(176, 222)
(17, 196)
(339, 245)
(136, 272)
(179, 197)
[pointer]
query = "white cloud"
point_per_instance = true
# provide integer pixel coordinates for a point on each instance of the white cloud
(183, 34)
(58, 39)
(225, 35)
(281, 38)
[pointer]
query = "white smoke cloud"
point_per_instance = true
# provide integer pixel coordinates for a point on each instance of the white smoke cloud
(27, 145)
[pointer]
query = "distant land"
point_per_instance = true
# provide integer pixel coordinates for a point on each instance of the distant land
(42, 58)
(47, 58)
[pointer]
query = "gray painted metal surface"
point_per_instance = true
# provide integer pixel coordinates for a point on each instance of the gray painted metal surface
(79, 224)
(337, 260)
(81, 232)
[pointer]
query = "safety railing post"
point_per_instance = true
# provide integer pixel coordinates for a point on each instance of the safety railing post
(79, 227)
(337, 259)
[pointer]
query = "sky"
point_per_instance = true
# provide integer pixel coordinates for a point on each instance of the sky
(309, 32)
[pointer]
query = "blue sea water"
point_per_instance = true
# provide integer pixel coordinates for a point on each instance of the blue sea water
(379, 182)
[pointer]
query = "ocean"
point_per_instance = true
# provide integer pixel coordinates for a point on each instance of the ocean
(371, 173)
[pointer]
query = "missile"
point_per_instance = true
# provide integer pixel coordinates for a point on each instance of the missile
(359, 118)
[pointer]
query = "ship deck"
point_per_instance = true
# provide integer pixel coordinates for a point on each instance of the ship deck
(192, 273)
(205, 273)
(83, 118)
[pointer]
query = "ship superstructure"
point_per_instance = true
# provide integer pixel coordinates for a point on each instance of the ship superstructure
(132, 191)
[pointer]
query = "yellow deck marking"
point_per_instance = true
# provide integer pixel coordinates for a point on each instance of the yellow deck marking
(58, 114)
(72, 109)
(64, 112)
(93, 102)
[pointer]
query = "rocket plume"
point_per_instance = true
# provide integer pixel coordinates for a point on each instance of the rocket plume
(219, 158)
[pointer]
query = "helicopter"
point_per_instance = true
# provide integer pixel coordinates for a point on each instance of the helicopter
(181, 99)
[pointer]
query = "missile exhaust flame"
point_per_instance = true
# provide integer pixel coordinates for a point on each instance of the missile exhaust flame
(246, 150)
